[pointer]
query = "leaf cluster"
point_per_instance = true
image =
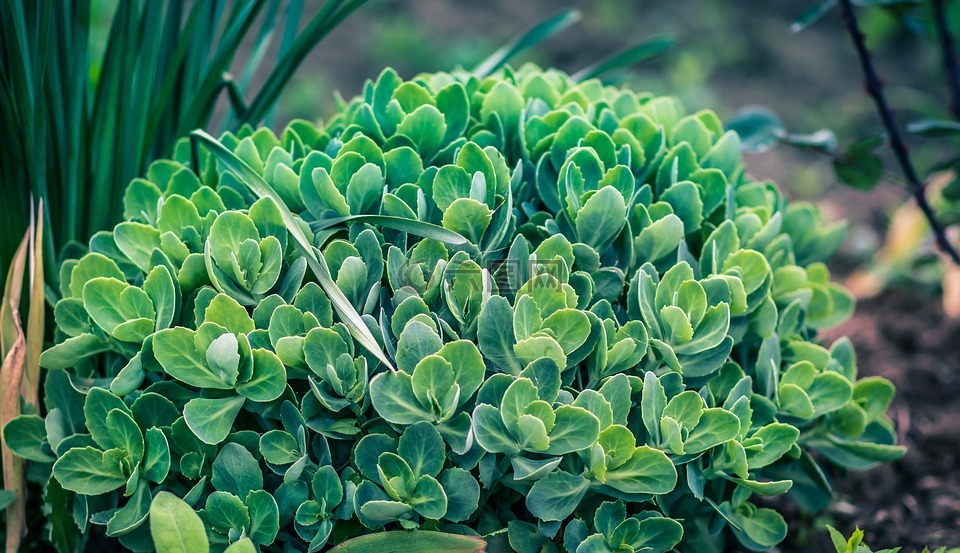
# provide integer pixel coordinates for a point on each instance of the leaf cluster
(521, 307)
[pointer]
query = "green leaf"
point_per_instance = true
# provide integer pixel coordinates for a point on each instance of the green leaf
(96, 409)
(412, 541)
(269, 378)
(601, 217)
(111, 303)
(652, 403)
(212, 419)
(757, 529)
(647, 471)
(490, 432)
(468, 366)
(422, 448)
(225, 512)
(556, 496)
(829, 392)
(777, 439)
(468, 218)
(125, 434)
(236, 471)
(569, 327)
(88, 471)
(410, 226)
(657, 535)
(813, 14)
(279, 448)
(223, 357)
(758, 127)
(244, 545)
(129, 517)
(532, 36)
(264, 516)
(463, 494)
(425, 126)
(450, 184)
(934, 127)
(859, 166)
(393, 398)
(228, 313)
(177, 353)
(137, 241)
(175, 527)
(715, 427)
(416, 342)
(574, 429)
(428, 498)
(156, 460)
(26, 436)
(433, 383)
(536, 347)
(638, 53)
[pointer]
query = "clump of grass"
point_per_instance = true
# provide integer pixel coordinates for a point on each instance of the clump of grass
(82, 119)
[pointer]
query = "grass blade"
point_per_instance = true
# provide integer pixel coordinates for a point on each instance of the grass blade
(410, 226)
(527, 39)
(332, 13)
(638, 53)
(412, 542)
(30, 383)
(258, 186)
(202, 105)
(14, 346)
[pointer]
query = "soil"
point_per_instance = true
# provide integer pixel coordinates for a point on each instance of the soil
(914, 502)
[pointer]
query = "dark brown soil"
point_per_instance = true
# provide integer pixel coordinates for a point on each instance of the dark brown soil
(914, 502)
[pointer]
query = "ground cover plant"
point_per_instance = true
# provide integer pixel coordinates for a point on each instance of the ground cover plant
(522, 306)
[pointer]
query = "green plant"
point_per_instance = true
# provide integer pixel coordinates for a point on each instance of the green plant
(527, 307)
(855, 544)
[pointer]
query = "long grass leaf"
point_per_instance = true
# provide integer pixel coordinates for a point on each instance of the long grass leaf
(527, 39)
(13, 346)
(294, 10)
(258, 186)
(410, 226)
(174, 75)
(638, 53)
(262, 43)
(30, 383)
(412, 541)
(332, 13)
(206, 95)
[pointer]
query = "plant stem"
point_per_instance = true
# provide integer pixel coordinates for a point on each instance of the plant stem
(950, 64)
(875, 90)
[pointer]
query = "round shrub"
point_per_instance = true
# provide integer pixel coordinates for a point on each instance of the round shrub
(553, 313)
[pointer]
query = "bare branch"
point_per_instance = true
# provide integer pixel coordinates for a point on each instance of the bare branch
(875, 90)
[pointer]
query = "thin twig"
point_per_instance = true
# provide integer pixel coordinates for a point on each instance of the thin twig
(875, 89)
(949, 58)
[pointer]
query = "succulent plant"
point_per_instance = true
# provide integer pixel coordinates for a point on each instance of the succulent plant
(519, 304)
